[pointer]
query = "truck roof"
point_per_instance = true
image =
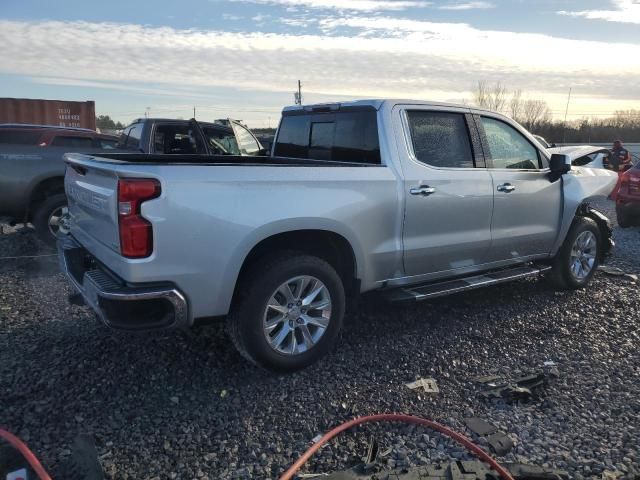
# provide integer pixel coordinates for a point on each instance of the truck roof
(178, 120)
(376, 103)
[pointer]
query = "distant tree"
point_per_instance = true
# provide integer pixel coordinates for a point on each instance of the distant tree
(626, 118)
(104, 122)
(535, 112)
(515, 105)
(490, 97)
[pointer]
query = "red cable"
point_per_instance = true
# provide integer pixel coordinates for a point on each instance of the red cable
(393, 417)
(26, 453)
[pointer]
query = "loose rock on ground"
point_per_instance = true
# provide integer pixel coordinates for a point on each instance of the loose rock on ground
(185, 405)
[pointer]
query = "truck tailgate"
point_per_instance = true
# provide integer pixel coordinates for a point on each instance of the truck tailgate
(93, 203)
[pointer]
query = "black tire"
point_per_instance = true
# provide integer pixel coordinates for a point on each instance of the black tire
(561, 275)
(245, 321)
(623, 217)
(42, 214)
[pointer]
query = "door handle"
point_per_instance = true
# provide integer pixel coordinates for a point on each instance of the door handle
(506, 187)
(424, 190)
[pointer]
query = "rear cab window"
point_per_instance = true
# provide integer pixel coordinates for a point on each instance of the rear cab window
(347, 135)
(173, 139)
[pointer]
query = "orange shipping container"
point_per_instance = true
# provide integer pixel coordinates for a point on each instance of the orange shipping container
(48, 112)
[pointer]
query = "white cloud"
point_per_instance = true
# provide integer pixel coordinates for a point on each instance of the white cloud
(467, 6)
(625, 11)
(385, 57)
(359, 5)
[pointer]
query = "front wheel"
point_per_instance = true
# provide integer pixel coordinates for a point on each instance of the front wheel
(288, 312)
(578, 258)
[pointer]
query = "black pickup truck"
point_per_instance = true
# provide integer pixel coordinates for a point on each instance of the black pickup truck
(189, 137)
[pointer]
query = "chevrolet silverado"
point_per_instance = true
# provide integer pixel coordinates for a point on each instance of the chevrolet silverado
(412, 199)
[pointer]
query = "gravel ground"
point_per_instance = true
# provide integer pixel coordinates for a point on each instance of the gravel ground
(185, 405)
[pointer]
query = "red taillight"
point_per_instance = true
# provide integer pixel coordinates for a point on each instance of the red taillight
(136, 233)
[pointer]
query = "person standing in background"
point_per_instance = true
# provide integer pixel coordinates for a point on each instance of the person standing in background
(620, 158)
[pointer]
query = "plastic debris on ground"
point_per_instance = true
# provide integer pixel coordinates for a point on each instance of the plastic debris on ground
(428, 385)
(617, 272)
(519, 389)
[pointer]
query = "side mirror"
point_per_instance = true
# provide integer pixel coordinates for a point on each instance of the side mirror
(559, 165)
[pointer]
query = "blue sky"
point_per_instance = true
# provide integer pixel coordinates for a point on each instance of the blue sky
(242, 58)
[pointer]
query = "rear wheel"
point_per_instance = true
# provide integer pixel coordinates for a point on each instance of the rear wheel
(288, 312)
(47, 215)
(578, 258)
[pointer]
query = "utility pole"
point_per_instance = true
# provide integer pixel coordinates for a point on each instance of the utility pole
(146, 112)
(566, 112)
(298, 95)
(194, 111)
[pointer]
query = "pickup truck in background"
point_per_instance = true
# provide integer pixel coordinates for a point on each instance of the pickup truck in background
(32, 165)
(32, 171)
(412, 199)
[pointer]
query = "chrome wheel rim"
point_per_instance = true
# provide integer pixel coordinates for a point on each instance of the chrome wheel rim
(297, 315)
(55, 219)
(583, 255)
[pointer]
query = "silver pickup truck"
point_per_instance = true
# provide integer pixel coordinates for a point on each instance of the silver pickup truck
(411, 199)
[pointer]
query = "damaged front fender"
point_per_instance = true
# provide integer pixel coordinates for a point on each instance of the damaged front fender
(580, 186)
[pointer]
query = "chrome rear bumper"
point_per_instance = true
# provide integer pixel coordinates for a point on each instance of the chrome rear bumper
(118, 304)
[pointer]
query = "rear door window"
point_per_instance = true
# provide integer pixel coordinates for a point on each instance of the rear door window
(440, 139)
(72, 142)
(347, 136)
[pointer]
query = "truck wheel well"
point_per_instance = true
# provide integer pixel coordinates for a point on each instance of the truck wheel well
(585, 210)
(329, 246)
(42, 190)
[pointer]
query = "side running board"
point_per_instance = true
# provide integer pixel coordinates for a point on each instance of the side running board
(440, 289)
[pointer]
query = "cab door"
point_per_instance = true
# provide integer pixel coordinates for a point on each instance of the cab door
(448, 192)
(527, 207)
